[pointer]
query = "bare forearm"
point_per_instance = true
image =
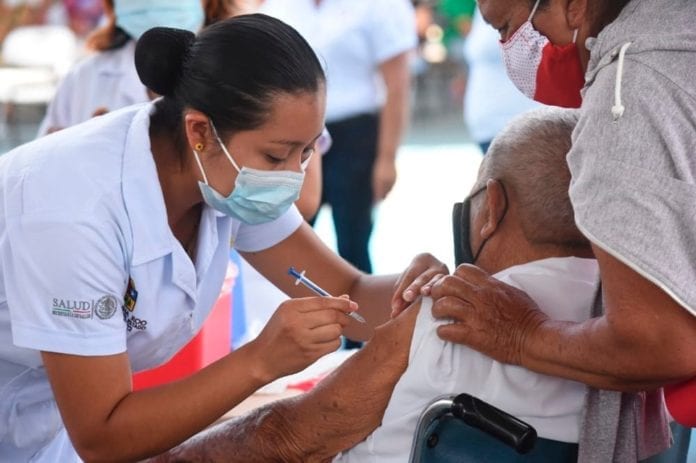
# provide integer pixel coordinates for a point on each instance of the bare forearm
(393, 120)
(340, 412)
(150, 424)
(644, 340)
(595, 354)
(263, 435)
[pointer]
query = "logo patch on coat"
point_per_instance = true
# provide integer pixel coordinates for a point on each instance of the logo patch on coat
(105, 307)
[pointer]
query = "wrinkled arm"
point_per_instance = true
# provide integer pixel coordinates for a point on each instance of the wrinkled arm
(340, 412)
(644, 340)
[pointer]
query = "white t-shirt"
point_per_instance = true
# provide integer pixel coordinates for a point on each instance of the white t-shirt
(564, 288)
(106, 79)
(352, 38)
(90, 266)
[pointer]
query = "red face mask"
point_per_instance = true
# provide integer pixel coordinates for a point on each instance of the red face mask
(545, 72)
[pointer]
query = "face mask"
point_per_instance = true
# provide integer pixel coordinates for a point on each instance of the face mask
(259, 196)
(137, 16)
(461, 229)
(545, 72)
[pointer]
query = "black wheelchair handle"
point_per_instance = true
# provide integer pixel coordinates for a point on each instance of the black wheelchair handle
(503, 426)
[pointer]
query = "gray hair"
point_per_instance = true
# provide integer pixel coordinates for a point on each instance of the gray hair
(529, 158)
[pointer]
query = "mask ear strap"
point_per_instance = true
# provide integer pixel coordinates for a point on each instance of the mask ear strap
(575, 36)
(200, 166)
(534, 10)
(500, 220)
(222, 145)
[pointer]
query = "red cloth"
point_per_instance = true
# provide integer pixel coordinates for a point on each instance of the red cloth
(681, 402)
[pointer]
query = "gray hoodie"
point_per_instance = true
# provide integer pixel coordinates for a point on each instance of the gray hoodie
(633, 187)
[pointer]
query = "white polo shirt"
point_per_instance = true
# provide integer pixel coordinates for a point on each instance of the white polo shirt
(564, 288)
(352, 38)
(106, 79)
(90, 266)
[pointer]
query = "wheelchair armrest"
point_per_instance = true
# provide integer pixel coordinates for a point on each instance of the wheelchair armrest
(479, 414)
(499, 424)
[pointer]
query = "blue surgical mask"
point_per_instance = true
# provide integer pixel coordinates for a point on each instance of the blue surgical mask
(259, 196)
(137, 16)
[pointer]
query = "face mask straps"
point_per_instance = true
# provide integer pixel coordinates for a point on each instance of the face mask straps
(222, 145)
(500, 220)
(462, 231)
(534, 10)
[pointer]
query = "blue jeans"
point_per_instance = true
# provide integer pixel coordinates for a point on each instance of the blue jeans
(347, 185)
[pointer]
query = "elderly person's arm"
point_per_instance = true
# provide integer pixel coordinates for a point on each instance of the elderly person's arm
(644, 340)
(340, 412)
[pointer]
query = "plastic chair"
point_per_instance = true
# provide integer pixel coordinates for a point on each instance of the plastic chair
(466, 429)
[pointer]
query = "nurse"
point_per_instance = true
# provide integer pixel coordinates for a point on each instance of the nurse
(114, 240)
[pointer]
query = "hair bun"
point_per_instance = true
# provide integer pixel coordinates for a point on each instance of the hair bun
(159, 58)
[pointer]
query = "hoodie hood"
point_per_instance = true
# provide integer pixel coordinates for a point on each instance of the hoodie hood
(647, 31)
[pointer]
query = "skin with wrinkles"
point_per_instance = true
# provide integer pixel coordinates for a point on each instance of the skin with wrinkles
(314, 427)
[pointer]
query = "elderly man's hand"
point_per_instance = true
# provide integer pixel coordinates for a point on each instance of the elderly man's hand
(416, 281)
(487, 315)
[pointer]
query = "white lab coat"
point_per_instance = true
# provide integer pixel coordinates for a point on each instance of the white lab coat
(105, 80)
(83, 224)
(564, 288)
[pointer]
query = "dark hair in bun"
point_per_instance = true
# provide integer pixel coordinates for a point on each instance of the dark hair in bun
(159, 58)
(231, 71)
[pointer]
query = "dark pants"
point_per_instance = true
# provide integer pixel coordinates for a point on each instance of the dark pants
(484, 146)
(347, 185)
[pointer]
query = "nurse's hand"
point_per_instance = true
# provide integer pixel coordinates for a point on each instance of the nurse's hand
(418, 279)
(300, 332)
(486, 314)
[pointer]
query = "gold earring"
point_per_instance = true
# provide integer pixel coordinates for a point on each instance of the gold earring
(199, 147)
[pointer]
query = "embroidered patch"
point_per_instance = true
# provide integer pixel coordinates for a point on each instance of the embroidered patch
(131, 296)
(105, 307)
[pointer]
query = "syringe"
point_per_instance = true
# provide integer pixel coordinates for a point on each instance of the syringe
(301, 278)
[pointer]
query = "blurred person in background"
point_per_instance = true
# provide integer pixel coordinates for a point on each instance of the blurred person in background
(490, 100)
(107, 80)
(83, 15)
(365, 46)
(455, 17)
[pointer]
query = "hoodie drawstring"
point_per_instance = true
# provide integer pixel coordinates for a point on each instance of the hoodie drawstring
(618, 109)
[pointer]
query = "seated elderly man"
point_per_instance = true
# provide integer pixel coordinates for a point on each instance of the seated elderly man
(521, 229)
(517, 224)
